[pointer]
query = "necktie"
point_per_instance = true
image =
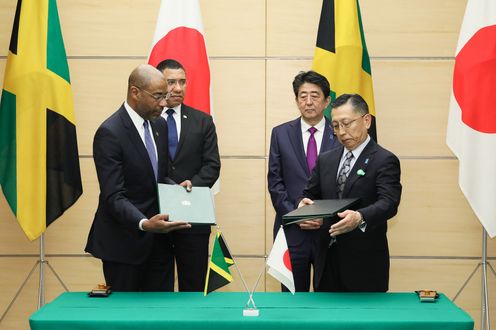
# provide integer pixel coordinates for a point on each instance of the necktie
(150, 148)
(311, 149)
(172, 128)
(343, 173)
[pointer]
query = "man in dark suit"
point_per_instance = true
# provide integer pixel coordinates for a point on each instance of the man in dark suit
(130, 155)
(194, 161)
(290, 168)
(354, 250)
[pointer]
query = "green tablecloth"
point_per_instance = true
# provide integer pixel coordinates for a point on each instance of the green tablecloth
(224, 310)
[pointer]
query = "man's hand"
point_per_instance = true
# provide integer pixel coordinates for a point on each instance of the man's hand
(160, 224)
(350, 220)
(305, 201)
(312, 224)
(187, 184)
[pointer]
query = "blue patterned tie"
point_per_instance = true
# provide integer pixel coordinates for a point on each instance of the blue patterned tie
(150, 148)
(172, 128)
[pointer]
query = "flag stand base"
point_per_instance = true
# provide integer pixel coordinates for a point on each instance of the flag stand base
(484, 265)
(251, 312)
(41, 262)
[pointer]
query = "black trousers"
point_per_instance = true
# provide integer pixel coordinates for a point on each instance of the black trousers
(155, 274)
(303, 255)
(191, 254)
(335, 279)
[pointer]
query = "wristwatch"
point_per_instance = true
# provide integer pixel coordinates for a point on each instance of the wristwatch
(362, 224)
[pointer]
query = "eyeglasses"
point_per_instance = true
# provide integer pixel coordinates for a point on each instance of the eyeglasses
(156, 97)
(337, 125)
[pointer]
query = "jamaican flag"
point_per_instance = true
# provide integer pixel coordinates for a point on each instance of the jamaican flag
(39, 164)
(218, 273)
(341, 53)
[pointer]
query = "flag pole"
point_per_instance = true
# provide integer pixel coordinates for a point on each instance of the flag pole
(485, 322)
(44, 262)
(41, 262)
(484, 264)
(239, 272)
(262, 271)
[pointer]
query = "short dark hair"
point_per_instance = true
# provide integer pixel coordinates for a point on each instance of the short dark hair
(170, 64)
(313, 78)
(357, 102)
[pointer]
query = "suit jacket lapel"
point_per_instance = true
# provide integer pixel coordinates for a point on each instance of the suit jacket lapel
(297, 143)
(362, 162)
(135, 138)
(185, 123)
(336, 157)
(329, 141)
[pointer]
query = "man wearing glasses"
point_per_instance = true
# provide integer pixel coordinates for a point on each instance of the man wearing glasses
(354, 253)
(130, 154)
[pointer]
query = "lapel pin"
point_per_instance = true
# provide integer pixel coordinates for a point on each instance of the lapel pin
(361, 172)
(184, 116)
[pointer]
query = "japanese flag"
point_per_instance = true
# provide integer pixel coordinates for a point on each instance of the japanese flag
(279, 262)
(472, 118)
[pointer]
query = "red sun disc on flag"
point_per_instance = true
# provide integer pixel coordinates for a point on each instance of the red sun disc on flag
(187, 46)
(287, 260)
(474, 80)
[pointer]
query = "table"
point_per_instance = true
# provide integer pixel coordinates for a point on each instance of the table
(224, 310)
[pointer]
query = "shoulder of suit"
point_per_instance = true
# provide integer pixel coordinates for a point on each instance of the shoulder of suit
(187, 110)
(115, 118)
(335, 152)
(291, 123)
(384, 151)
(374, 147)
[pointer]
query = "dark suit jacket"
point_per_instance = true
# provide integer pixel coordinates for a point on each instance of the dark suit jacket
(363, 256)
(197, 155)
(128, 190)
(288, 171)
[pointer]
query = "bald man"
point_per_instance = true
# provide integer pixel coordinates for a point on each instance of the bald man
(130, 154)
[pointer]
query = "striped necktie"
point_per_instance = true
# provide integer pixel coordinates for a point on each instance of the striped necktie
(150, 148)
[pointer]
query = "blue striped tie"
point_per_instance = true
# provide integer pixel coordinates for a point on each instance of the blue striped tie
(150, 148)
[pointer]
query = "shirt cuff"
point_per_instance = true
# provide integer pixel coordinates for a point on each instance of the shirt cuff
(141, 224)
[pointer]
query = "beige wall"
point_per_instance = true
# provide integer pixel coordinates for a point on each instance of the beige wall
(256, 47)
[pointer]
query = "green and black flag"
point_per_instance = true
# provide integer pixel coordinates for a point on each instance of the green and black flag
(39, 163)
(218, 273)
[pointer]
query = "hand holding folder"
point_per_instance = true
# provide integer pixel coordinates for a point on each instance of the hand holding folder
(325, 208)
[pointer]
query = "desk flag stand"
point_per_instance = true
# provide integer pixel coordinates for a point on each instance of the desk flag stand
(253, 311)
(41, 262)
(484, 264)
(250, 308)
